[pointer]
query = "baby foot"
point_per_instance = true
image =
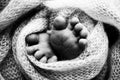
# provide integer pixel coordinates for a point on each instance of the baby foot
(68, 40)
(38, 46)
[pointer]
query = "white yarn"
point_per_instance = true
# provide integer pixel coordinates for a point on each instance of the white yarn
(102, 10)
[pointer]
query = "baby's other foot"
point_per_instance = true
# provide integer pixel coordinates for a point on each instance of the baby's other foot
(40, 47)
(68, 39)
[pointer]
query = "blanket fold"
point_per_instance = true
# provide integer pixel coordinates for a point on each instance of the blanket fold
(16, 64)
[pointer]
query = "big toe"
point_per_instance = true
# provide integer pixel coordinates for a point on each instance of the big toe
(32, 39)
(59, 23)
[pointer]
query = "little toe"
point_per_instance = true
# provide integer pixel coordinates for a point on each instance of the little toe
(32, 39)
(84, 33)
(59, 23)
(43, 59)
(73, 22)
(52, 59)
(32, 49)
(83, 43)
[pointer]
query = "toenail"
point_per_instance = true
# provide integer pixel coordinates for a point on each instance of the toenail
(74, 21)
(60, 23)
(32, 39)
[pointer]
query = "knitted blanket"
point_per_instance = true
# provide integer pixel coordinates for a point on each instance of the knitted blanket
(97, 62)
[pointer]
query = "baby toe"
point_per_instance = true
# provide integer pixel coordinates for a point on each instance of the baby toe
(44, 55)
(84, 33)
(52, 59)
(32, 39)
(82, 43)
(78, 27)
(43, 59)
(39, 54)
(32, 49)
(59, 23)
(73, 22)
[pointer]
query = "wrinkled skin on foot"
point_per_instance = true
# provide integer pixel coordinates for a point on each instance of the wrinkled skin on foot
(65, 44)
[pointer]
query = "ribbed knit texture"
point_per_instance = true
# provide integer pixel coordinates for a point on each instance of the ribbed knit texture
(91, 63)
